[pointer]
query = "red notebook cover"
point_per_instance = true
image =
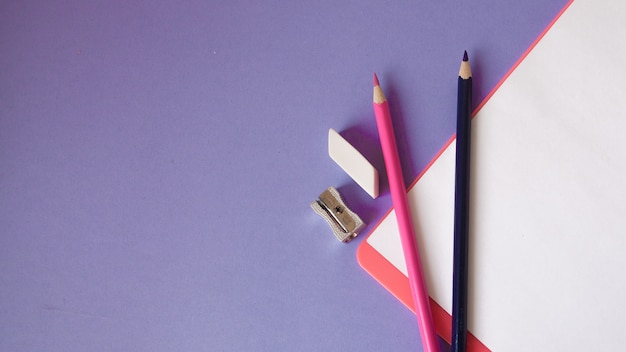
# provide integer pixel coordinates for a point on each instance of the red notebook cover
(393, 279)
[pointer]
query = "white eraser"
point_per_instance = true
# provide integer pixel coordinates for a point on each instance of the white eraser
(353, 163)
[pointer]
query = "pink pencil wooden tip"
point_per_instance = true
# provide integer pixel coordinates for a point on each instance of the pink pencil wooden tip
(376, 81)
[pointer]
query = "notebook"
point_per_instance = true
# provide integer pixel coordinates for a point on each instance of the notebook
(548, 199)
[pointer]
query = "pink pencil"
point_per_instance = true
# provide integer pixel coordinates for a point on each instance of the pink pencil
(405, 222)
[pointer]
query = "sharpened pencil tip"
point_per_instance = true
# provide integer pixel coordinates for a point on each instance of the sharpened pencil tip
(465, 71)
(376, 81)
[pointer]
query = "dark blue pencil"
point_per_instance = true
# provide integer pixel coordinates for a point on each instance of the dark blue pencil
(461, 208)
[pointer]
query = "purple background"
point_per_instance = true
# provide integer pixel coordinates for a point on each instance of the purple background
(157, 161)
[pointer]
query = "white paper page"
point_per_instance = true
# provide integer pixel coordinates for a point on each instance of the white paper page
(548, 196)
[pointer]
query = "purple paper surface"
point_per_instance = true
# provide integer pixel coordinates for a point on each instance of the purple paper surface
(157, 161)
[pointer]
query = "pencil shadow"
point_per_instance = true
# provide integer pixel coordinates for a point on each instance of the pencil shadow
(399, 119)
(478, 94)
(475, 158)
(443, 345)
(474, 194)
